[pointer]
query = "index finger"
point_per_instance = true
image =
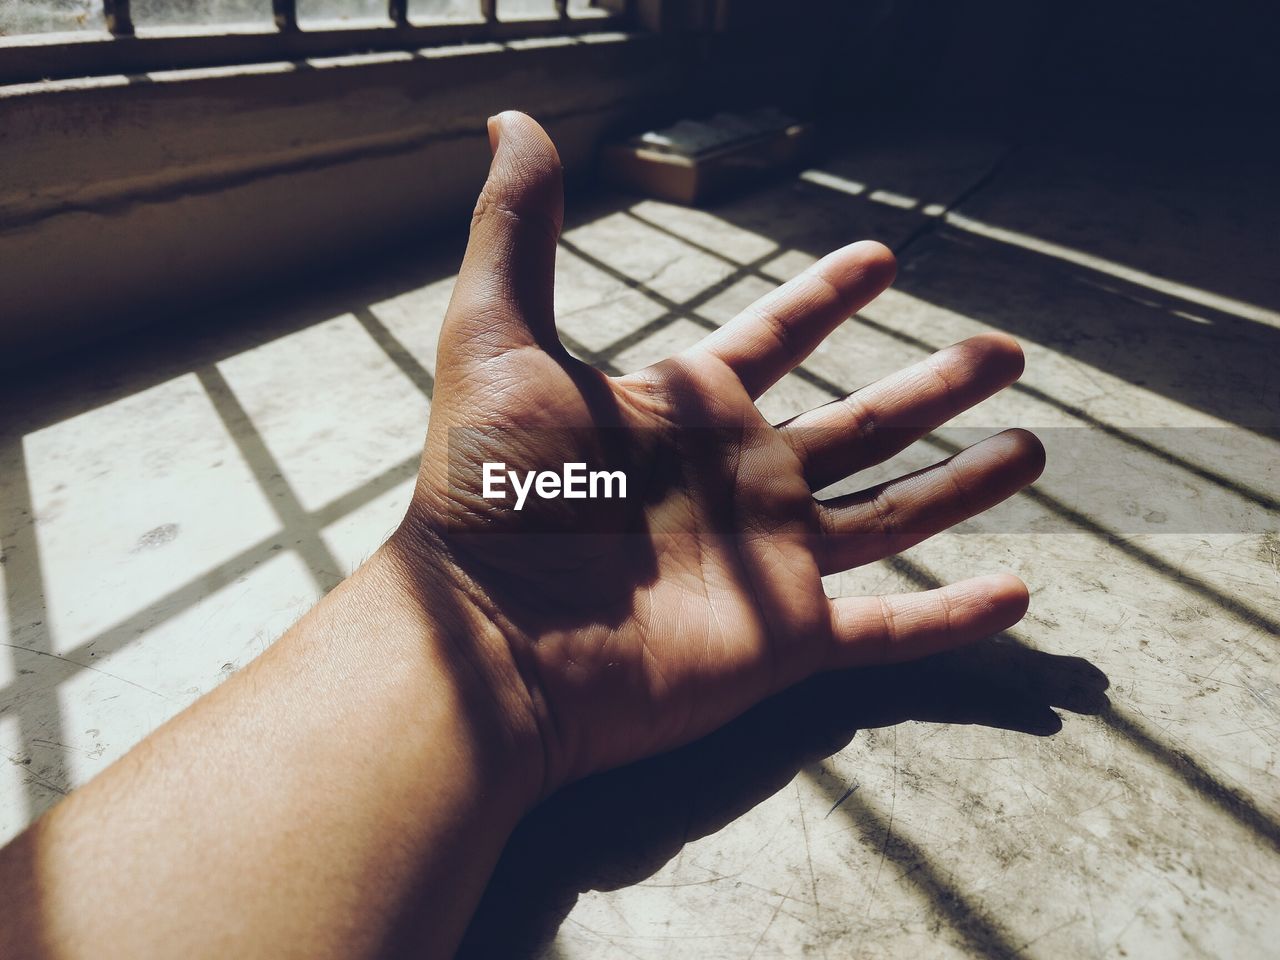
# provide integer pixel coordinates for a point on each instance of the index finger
(774, 335)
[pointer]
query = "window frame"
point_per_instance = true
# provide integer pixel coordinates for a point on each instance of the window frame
(122, 49)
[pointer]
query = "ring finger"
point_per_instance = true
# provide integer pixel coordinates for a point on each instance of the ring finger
(887, 519)
(872, 424)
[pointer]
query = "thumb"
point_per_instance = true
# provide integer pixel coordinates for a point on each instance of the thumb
(503, 296)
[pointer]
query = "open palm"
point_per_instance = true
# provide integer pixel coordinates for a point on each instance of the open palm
(621, 627)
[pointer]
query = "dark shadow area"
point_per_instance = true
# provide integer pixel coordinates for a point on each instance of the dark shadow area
(618, 828)
(1183, 199)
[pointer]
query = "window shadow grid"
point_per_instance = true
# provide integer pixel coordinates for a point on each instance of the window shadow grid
(42, 714)
(672, 310)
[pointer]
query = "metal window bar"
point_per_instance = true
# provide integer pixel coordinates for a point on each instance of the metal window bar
(285, 13)
(32, 58)
(118, 17)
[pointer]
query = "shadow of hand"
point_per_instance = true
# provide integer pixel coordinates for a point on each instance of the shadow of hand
(619, 828)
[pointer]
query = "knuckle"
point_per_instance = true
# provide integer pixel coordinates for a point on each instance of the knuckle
(943, 383)
(862, 421)
(889, 634)
(885, 513)
(781, 334)
(960, 490)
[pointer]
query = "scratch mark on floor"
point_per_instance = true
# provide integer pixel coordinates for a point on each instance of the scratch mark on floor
(1051, 930)
(85, 666)
(772, 917)
(843, 797)
(31, 776)
(1125, 929)
(813, 877)
(888, 830)
(47, 784)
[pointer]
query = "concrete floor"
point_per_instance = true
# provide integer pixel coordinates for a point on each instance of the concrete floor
(1102, 782)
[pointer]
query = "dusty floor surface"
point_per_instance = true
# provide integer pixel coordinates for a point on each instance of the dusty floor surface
(1102, 782)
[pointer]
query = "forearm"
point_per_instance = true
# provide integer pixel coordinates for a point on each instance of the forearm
(346, 791)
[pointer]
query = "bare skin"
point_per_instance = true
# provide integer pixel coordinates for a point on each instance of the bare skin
(348, 794)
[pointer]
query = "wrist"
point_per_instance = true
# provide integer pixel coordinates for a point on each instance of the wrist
(467, 659)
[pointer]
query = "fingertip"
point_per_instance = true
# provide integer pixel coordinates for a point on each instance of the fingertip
(1017, 455)
(982, 365)
(512, 116)
(506, 118)
(1008, 599)
(505, 287)
(523, 133)
(525, 177)
(1002, 348)
(876, 260)
(1029, 451)
(864, 265)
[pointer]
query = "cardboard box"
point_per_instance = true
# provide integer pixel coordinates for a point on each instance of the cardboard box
(693, 178)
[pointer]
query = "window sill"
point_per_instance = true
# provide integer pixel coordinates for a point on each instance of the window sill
(33, 57)
(134, 196)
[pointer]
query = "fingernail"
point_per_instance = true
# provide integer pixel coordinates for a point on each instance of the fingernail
(495, 133)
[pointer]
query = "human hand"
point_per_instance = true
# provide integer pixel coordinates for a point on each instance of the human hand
(608, 630)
